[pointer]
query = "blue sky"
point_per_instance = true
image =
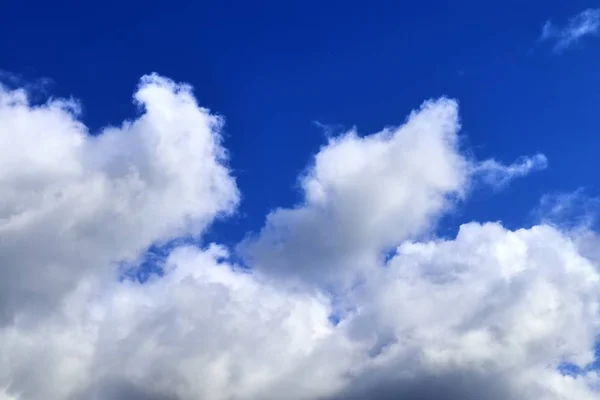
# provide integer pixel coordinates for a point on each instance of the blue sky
(273, 69)
(380, 165)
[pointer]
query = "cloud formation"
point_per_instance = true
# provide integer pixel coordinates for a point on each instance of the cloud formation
(73, 203)
(586, 23)
(365, 195)
(349, 294)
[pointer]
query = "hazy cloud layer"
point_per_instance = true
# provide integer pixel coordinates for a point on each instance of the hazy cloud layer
(490, 314)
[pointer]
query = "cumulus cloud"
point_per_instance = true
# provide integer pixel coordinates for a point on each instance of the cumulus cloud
(491, 305)
(73, 203)
(324, 312)
(205, 330)
(365, 195)
(586, 23)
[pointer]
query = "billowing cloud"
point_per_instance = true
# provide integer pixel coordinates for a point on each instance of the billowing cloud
(586, 23)
(490, 306)
(73, 203)
(349, 294)
(365, 195)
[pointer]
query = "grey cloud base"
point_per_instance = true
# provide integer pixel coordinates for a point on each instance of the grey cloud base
(490, 314)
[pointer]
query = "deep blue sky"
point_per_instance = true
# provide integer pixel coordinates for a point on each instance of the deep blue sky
(272, 68)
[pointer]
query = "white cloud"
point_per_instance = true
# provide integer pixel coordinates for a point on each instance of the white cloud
(365, 195)
(73, 203)
(491, 305)
(498, 175)
(204, 331)
(574, 210)
(491, 311)
(586, 23)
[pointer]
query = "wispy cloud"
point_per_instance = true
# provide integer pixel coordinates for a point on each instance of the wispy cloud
(586, 23)
(499, 175)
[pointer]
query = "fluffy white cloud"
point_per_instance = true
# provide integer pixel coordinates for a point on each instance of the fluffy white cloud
(203, 331)
(586, 23)
(365, 195)
(489, 305)
(73, 203)
(489, 314)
